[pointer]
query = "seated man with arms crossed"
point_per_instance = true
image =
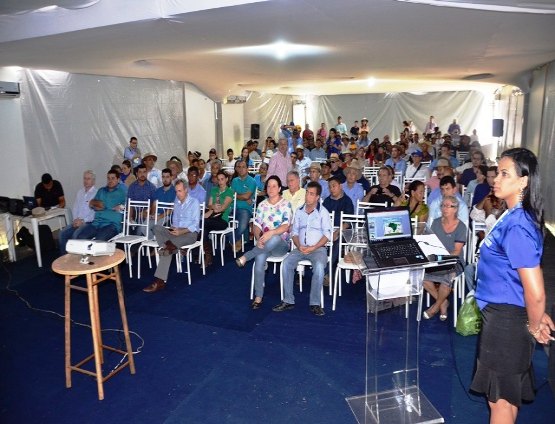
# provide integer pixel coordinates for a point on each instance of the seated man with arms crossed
(311, 231)
(82, 212)
(184, 230)
(107, 204)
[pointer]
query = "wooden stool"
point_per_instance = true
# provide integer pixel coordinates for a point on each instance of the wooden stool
(70, 266)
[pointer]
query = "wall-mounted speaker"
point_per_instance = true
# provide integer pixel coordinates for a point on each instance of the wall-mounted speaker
(497, 127)
(255, 131)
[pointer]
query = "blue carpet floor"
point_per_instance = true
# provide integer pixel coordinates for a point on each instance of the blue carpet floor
(208, 358)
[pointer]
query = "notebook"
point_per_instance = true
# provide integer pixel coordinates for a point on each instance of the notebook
(390, 240)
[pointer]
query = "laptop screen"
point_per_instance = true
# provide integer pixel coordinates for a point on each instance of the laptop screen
(387, 224)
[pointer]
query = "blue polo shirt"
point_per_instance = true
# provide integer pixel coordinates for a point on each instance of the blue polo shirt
(514, 242)
(242, 186)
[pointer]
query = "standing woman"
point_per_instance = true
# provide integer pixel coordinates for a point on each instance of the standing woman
(512, 298)
(271, 231)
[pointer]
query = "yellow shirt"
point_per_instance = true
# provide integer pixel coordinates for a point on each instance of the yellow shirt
(296, 200)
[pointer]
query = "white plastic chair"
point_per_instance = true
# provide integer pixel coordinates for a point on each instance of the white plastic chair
(349, 241)
(186, 252)
(166, 210)
(136, 221)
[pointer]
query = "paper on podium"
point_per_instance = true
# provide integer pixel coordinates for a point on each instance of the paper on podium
(431, 244)
(389, 285)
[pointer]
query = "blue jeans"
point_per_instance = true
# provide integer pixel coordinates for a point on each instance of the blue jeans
(242, 216)
(319, 260)
(273, 247)
(69, 232)
(104, 233)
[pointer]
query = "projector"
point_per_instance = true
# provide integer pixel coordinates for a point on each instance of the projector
(90, 247)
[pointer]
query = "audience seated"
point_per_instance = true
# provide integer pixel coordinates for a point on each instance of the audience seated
(415, 201)
(216, 217)
(154, 175)
(215, 167)
(245, 187)
(396, 161)
(416, 169)
(448, 187)
(49, 193)
(271, 234)
(351, 187)
(384, 191)
(195, 189)
(260, 179)
(108, 203)
(294, 193)
(126, 176)
(82, 212)
(311, 231)
(314, 174)
(303, 162)
(184, 231)
(451, 231)
(485, 188)
(480, 173)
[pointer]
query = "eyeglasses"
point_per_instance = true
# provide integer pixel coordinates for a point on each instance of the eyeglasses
(449, 206)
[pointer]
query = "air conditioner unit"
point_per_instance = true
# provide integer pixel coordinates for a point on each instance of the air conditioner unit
(299, 102)
(9, 89)
(235, 99)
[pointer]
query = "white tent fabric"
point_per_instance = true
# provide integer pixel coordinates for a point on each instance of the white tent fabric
(78, 122)
(386, 112)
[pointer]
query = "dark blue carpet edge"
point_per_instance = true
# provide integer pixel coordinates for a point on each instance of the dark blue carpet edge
(209, 358)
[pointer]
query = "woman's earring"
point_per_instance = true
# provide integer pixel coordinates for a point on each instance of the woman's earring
(520, 194)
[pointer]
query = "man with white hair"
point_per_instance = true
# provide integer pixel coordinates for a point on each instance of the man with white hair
(82, 212)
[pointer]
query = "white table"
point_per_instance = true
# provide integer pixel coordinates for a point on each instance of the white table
(53, 223)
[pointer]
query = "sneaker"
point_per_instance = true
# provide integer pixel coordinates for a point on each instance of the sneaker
(283, 307)
(317, 310)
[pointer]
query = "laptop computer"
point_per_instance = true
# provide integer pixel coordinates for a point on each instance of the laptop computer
(29, 202)
(390, 240)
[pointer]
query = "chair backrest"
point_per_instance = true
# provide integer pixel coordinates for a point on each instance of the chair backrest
(231, 220)
(137, 216)
(351, 233)
(164, 213)
(370, 205)
(400, 179)
(201, 226)
(371, 174)
(462, 156)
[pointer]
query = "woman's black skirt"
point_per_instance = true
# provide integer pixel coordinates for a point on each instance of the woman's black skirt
(504, 367)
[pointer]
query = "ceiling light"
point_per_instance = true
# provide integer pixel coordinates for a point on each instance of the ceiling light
(371, 82)
(280, 50)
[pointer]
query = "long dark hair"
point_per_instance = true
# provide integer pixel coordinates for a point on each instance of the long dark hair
(526, 165)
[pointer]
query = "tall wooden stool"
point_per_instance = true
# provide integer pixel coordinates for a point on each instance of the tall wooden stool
(70, 266)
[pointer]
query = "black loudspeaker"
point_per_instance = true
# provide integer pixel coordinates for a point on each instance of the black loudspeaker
(255, 131)
(497, 128)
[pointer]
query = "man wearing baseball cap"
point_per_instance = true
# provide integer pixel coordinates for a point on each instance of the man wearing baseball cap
(154, 175)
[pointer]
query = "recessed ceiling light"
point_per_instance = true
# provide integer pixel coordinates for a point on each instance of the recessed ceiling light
(371, 82)
(280, 50)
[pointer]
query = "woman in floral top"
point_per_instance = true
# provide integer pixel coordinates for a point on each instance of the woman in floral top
(271, 230)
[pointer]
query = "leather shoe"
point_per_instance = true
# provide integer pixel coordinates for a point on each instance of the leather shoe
(256, 305)
(283, 307)
(157, 285)
(317, 310)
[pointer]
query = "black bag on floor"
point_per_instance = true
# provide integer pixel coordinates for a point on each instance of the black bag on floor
(47, 243)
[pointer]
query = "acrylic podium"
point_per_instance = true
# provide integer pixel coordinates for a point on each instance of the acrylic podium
(393, 392)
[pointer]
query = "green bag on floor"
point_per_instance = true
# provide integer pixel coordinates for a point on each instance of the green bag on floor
(469, 320)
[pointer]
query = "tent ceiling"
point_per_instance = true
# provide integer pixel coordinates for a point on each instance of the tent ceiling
(404, 45)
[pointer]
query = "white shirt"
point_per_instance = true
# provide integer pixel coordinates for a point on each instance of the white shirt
(155, 177)
(81, 208)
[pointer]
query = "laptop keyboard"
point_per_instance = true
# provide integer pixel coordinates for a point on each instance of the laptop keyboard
(395, 250)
